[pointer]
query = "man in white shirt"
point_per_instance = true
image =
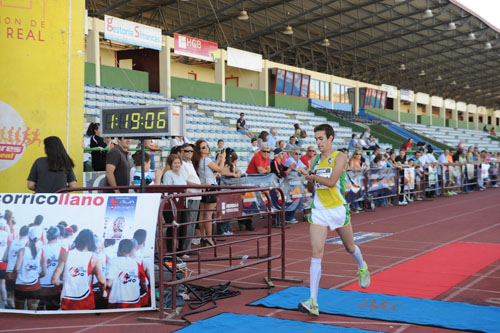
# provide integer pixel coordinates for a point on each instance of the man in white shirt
(192, 203)
(272, 139)
(427, 160)
(295, 162)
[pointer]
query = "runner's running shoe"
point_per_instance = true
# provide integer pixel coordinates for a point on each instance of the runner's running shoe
(310, 307)
(364, 277)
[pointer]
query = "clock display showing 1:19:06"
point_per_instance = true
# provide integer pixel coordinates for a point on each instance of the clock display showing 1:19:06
(138, 121)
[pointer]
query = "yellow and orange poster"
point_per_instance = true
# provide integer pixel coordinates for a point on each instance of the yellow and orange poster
(41, 87)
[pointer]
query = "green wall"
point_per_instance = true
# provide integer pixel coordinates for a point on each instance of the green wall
(426, 120)
(407, 117)
(186, 87)
(438, 121)
(451, 123)
(462, 124)
(288, 102)
(244, 95)
(384, 114)
(118, 77)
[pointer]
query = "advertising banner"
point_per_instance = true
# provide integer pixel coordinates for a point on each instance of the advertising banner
(432, 175)
(244, 59)
(485, 168)
(194, 47)
(392, 91)
(78, 252)
(381, 182)
(355, 186)
(133, 33)
(41, 90)
(409, 179)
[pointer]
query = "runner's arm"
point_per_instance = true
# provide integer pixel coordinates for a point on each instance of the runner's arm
(59, 269)
(340, 164)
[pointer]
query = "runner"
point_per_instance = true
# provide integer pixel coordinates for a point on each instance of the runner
(329, 210)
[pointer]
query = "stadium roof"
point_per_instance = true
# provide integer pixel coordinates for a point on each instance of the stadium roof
(394, 42)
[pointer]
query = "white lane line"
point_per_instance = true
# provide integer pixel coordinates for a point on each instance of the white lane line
(470, 284)
(103, 323)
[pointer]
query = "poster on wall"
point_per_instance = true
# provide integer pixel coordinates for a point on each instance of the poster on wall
(71, 252)
(194, 47)
(244, 59)
(133, 33)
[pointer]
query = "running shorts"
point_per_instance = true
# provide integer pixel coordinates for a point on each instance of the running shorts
(332, 218)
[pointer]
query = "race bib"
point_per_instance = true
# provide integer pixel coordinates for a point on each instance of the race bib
(325, 173)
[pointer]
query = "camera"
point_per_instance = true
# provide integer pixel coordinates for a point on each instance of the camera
(312, 172)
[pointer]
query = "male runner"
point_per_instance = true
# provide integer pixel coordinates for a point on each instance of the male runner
(329, 210)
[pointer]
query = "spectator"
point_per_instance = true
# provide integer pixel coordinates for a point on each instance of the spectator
(192, 203)
(220, 146)
(230, 170)
(54, 172)
(262, 139)
(429, 160)
(375, 153)
(308, 156)
(372, 143)
(272, 140)
(152, 146)
(460, 145)
(421, 145)
(401, 158)
(98, 157)
(254, 147)
(492, 131)
(367, 132)
(485, 128)
(241, 128)
(277, 166)
(355, 160)
(178, 141)
(299, 134)
(353, 144)
(206, 168)
(77, 289)
(118, 166)
(282, 144)
(260, 163)
(292, 144)
(30, 267)
(175, 175)
(137, 172)
(362, 142)
(408, 145)
(295, 163)
(444, 163)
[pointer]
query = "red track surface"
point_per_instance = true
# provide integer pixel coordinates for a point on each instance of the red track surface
(417, 229)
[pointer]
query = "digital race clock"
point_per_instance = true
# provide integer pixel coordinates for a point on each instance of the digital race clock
(143, 121)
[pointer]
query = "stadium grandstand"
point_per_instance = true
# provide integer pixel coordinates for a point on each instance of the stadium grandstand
(133, 221)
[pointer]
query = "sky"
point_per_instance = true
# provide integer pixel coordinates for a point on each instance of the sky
(487, 9)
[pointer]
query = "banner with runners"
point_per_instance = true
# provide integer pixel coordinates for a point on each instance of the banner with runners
(77, 252)
(409, 179)
(381, 182)
(355, 186)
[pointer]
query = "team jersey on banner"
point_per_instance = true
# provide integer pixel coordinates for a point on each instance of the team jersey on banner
(89, 230)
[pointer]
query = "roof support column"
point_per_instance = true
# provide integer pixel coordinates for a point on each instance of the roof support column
(355, 107)
(166, 67)
(413, 109)
(454, 115)
(264, 80)
(93, 51)
(396, 105)
(220, 73)
(428, 111)
(442, 115)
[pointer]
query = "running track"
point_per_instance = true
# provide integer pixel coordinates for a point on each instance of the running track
(416, 229)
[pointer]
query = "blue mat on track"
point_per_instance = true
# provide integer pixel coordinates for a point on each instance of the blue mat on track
(419, 311)
(231, 322)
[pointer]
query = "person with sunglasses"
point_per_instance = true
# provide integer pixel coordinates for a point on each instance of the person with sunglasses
(308, 156)
(192, 203)
(295, 163)
(260, 163)
(206, 170)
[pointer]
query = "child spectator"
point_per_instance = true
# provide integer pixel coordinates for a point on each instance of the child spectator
(136, 170)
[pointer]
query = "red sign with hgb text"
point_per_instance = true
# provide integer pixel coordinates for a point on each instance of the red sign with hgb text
(194, 47)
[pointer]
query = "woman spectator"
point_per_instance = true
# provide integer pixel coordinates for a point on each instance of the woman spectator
(277, 165)
(98, 157)
(30, 267)
(299, 134)
(174, 175)
(355, 165)
(408, 145)
(54, 172)
(286, 155)
(230, 170)
(362, 142)
(262, 139)
(355, 160)
(206, 168)
(77, 292)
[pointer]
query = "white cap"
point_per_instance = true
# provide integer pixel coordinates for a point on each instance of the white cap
(35, 232)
